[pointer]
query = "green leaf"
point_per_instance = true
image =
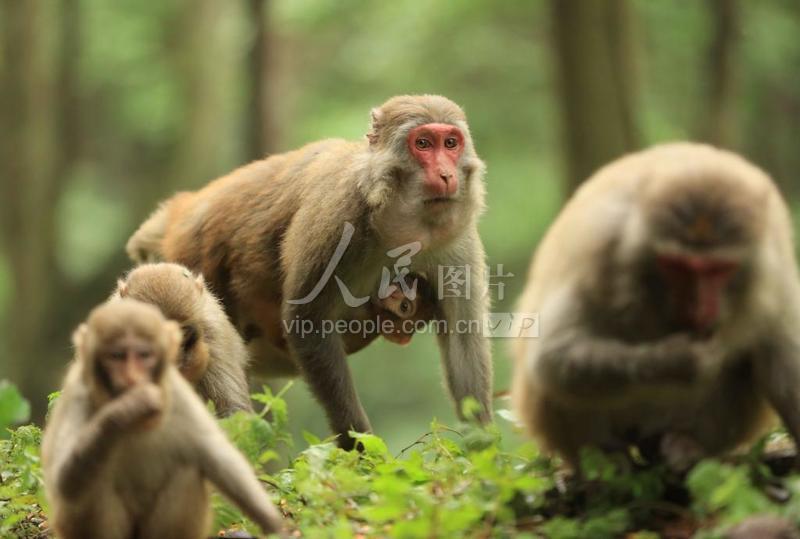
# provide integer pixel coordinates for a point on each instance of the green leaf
(373, 445)
(311, 439)
(471, 409)
(13, 407)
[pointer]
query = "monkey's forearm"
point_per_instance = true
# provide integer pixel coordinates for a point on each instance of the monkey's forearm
(91, 449)
(88, 454)
(99, 435)
(325, 369)
(777, 367)
(467, 355)
(595, 366)
(468, 371)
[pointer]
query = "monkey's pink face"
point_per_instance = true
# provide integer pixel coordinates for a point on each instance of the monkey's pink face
(698, 285)
(126, 362)
(437, 148)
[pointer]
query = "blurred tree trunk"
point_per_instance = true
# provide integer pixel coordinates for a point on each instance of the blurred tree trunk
(595, 66)
(30, 189)
(70, 128)
(197, 152)
(259, 119)
(719, 116)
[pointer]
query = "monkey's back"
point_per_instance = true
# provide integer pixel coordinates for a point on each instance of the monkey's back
(232, 229)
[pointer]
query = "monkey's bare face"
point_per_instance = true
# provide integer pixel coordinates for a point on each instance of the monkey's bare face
(123, 343)
(399, 308)
(701, 257)
(699, 286)
(437, 148)
(399, 305)
(127, 360)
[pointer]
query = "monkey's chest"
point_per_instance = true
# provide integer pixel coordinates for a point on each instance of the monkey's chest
(143, 473)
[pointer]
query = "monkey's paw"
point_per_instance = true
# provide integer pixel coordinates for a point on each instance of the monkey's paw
(680, 451)
(147, 401)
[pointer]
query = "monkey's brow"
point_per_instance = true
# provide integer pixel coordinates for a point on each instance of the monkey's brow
(727, 224)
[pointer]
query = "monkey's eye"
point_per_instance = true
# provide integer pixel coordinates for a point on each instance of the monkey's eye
(423, 144)
(117, 355)
(450, 142)
(144, 354)
(405, 306)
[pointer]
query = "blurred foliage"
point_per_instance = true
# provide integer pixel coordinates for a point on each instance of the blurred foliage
(14, 408)
(21, 494)
(462, 481)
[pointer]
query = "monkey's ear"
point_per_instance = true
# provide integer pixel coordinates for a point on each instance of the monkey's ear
(122, 288)
(174, 336)
(376, 115)
(200, 282)
(79, 335)
(80, 338)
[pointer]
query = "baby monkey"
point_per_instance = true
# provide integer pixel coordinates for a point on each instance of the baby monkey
(129, 448)
(212, 355)
(395, 317)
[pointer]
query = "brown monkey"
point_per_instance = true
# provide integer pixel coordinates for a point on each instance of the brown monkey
(667, 291)
(129, 447)
(269, 238)
(213, 356)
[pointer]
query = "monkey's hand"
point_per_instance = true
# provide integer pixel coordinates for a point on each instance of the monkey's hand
(139, 406)
(606, 367)
(709, 358)
(678, 358)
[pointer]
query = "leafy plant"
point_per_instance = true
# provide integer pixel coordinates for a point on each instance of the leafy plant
(21, 495)
(450, 482)
(13, 408)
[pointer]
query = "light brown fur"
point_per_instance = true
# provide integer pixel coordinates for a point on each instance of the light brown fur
(610, 367)
(215, 363)
(138, 464)
(265, 233)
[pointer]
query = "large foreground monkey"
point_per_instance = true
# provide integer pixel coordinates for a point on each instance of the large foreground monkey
(668, 297)
(129, 447)
(265, 237)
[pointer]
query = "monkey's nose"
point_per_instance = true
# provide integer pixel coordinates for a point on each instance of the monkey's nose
(446, 176)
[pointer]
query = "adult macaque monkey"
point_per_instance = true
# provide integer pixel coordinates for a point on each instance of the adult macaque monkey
(129, 447)
(213, 356)
(668, 295)
(269, 239)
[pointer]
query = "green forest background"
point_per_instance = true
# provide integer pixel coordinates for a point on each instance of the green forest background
(108, 107)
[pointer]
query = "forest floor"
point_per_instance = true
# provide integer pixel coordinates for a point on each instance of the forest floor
(459, 481)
